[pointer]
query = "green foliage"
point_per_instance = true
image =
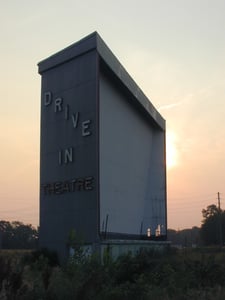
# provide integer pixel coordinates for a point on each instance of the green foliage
(78, 251)
(213, 226)
(51, 256)
(210, 211)
(16, 235)
(212, 231)
(195, 274)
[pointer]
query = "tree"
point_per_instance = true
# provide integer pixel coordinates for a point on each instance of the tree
(213, 225)
(210, 211)
(16, 235)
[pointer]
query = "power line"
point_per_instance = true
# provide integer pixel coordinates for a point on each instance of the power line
(194, 199)
(191, 196)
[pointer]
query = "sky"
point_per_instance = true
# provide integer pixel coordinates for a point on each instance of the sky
(173, 49)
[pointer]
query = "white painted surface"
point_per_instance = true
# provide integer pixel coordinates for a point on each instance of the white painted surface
(132, 166)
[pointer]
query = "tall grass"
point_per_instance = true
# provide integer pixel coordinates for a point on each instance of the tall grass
(188, 274)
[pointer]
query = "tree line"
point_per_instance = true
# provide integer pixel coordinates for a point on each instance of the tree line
(211, 232)
(17, 235)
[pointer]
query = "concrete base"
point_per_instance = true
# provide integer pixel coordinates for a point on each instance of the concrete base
(116, 248)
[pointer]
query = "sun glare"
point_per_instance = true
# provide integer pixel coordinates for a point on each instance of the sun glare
(171, 150)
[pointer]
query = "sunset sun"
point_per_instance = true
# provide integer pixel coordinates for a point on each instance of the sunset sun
(171, 150)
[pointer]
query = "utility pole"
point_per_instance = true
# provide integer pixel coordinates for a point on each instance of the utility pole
(220, 220)
(218, 197)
